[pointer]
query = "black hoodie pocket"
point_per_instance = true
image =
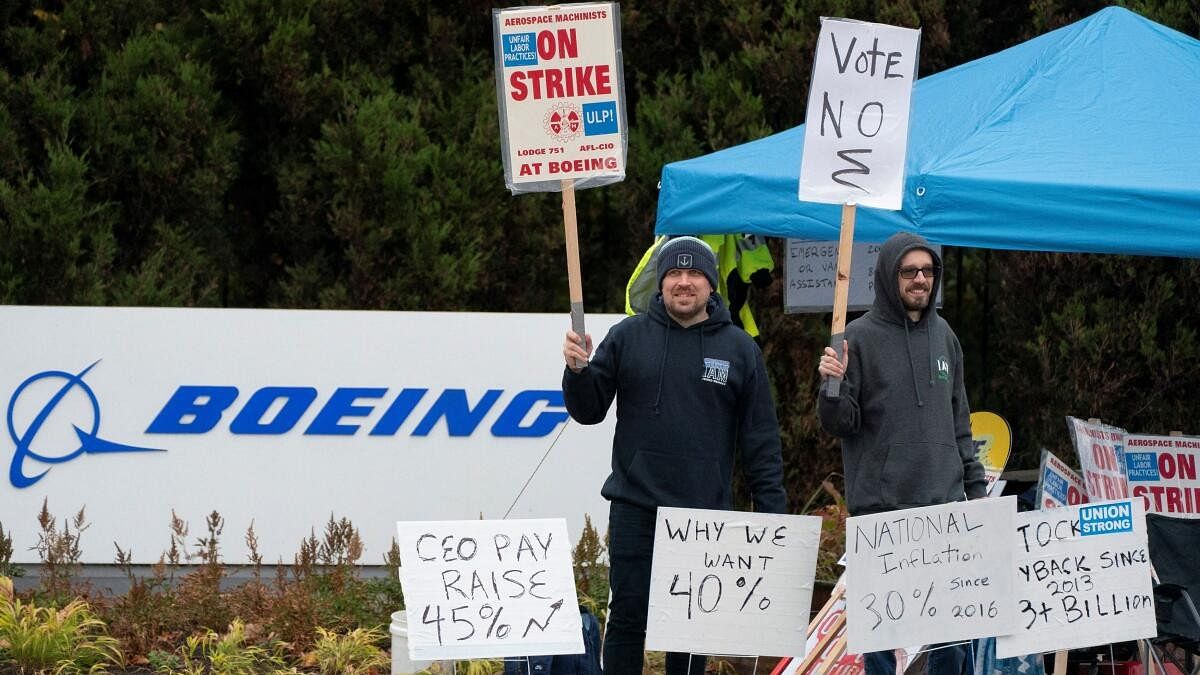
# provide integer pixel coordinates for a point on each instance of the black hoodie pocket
(921, 473)
(676, 480)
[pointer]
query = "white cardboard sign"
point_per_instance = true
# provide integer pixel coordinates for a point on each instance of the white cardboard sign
(810, 269)
(856, 127)
(488, 588)
(929, 575)
(730, 582)
(1162, 471)
(560, 90)
(1081, 578)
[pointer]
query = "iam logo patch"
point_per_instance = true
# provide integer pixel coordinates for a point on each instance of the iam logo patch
(716, 370)
(57, 411)
(563, 122)
(943, 369)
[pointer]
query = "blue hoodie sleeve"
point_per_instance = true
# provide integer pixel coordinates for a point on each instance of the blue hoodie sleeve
(758, 442)
(589, 393)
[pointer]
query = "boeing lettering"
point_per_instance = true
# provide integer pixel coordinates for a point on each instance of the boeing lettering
(198, 409)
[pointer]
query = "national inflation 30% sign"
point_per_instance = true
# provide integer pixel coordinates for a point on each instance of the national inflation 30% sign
(892, 605)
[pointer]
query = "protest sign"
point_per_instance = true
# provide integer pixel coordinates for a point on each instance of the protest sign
(993, 442)
(560, 90)
(1081, 578)
(488, 588)
(856, 132)
(931, 574)
(729, 582)
(1058, 484)
(1101, 450)
(1162, 471)
(810, 272)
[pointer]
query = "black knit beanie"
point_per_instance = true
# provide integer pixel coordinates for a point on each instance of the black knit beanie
(687, 253)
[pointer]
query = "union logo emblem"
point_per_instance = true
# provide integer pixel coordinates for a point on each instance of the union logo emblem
(563, 122)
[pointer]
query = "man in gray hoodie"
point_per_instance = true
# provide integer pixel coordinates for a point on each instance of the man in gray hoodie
(902, 412)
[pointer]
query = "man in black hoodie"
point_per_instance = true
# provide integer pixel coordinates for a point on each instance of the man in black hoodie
(691, 392)
(902, 412)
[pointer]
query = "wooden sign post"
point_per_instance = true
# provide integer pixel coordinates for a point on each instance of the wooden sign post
(841, 293)
(561, 100)
(574, 276)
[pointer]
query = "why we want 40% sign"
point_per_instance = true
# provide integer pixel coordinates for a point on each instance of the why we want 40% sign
(726, 582)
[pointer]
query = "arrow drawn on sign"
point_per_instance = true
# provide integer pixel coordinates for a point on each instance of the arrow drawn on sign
(542, 626)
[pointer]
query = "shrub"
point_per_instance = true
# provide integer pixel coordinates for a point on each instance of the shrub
(42, 639)
(352, 652)
(7, 569)
(591, 573)
(227, 654)
(59, 552)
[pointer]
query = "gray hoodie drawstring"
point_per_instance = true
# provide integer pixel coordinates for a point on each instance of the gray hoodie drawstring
(929, 332)
(911, 368)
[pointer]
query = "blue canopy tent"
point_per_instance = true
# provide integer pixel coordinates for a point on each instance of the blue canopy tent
(1085, 139)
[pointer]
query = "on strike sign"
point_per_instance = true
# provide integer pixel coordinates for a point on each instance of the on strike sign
(1162, 471)
(559, 86)
(1101, 450)
(1058, 484)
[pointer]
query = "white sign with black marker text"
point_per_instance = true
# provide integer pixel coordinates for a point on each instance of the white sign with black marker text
(488, 588)
(929, 575)
(1082, 578)
(810, 272)
(730, 582)
(856, 134)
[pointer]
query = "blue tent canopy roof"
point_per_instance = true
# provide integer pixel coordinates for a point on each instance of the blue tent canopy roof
(1085, 139)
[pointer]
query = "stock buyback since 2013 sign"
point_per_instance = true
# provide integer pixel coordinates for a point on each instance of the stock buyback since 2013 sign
(730, 582)
(488, 588)
(560, 92)
(1082, 578)
(928, 575)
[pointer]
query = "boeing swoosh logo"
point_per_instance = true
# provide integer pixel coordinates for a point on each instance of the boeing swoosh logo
(89, 441)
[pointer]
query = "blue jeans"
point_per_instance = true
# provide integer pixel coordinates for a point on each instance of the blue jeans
(941, 660)
(630, 551)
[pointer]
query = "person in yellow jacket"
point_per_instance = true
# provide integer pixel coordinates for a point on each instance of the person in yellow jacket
(742, 260)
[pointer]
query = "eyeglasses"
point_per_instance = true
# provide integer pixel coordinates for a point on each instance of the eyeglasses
(911, 272)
